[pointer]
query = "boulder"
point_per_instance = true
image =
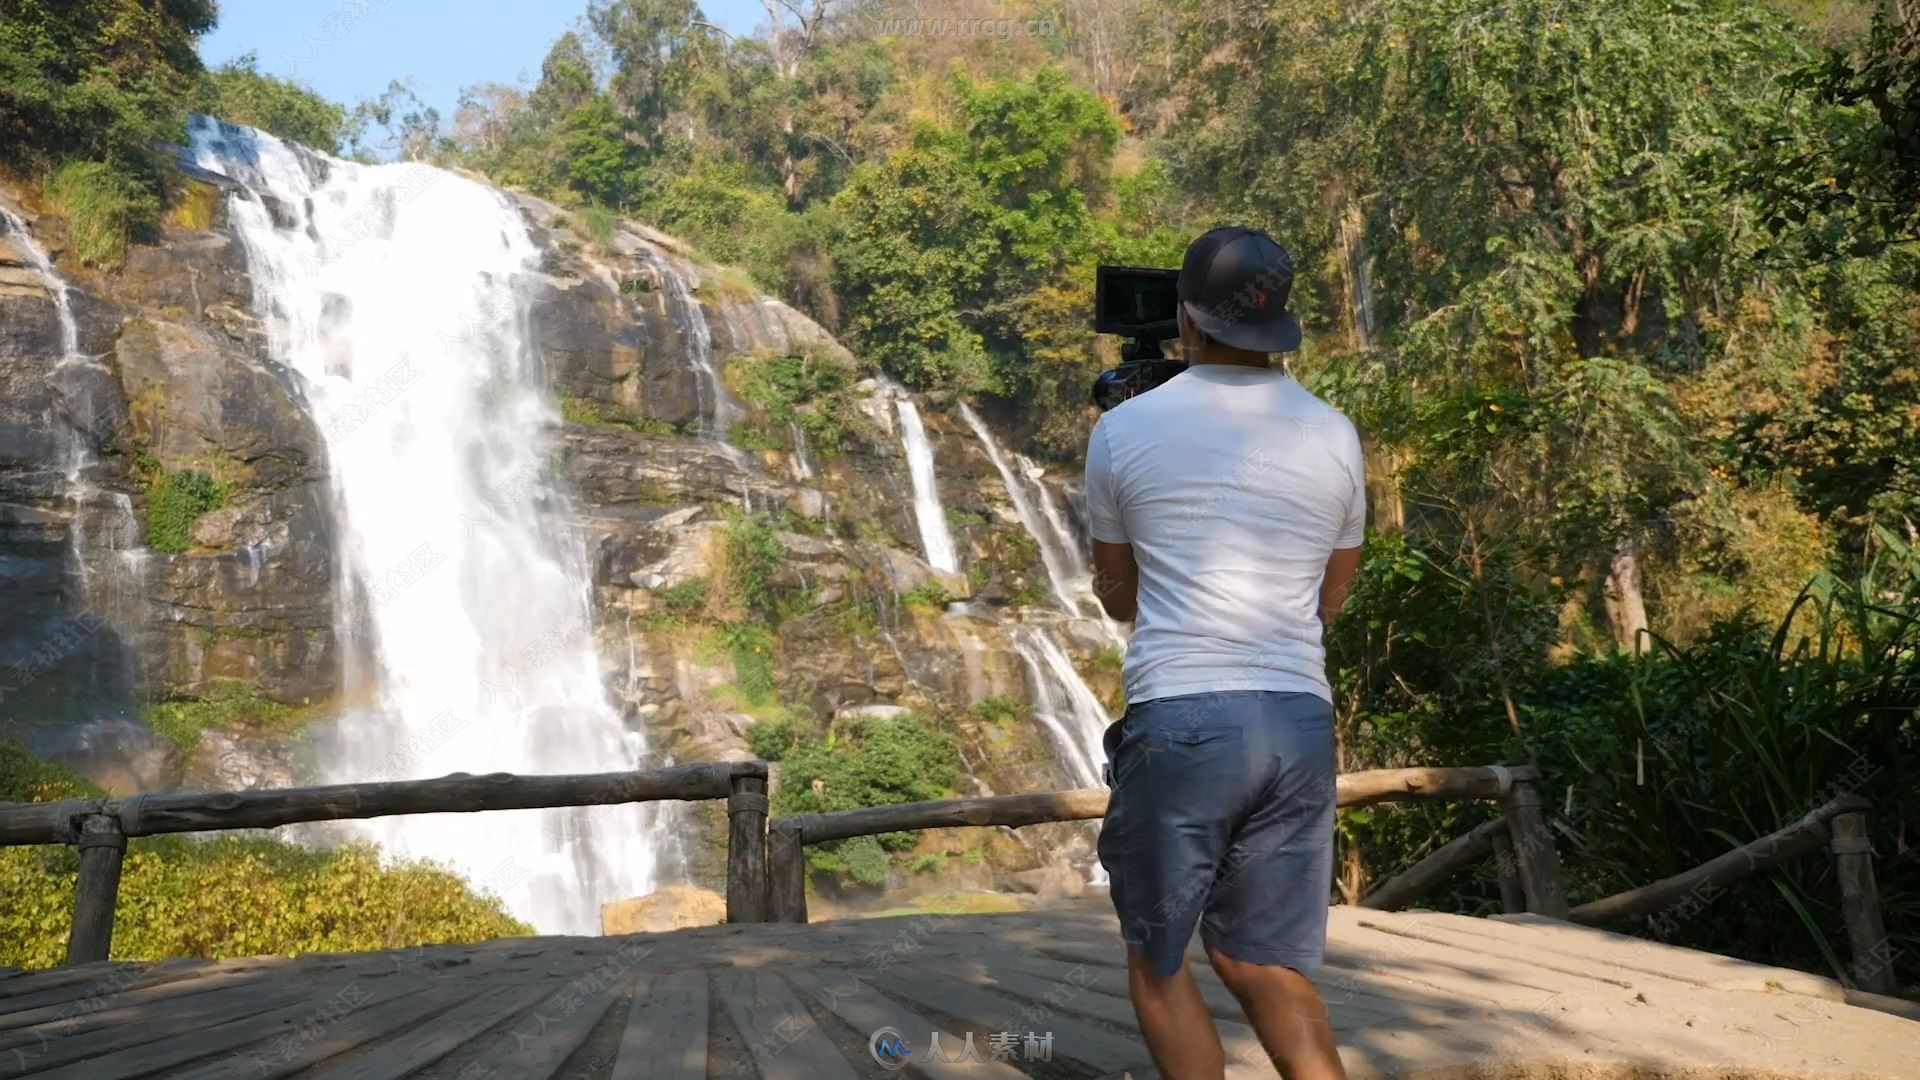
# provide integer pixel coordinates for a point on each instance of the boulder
(672, 908)
(232, 761)
(1051, 882)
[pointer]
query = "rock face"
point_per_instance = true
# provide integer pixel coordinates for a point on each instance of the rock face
(171, 374)
(636, 336)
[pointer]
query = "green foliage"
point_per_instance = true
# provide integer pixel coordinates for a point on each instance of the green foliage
(239, 92)
(1000, 711)
(751, 648)
(873, 761)
(962, 519)
(753, 555)
(175, 500)
(25, 778)
(236, 896)
(229, 705)
(812, 390)
(931, 596)
(104, 208)
(89, 92)
(686, 598)
(230, 896)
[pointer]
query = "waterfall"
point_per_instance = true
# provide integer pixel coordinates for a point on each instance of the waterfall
(476, 601)
(802, 468)
(1064, 706)
(1059, 574)
(935, 536)
(690, 321)
(57, 285)
(1063, 703)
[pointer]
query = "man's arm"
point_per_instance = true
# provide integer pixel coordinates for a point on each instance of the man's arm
(1116, 576)
(1116, 580)
(1342, 565)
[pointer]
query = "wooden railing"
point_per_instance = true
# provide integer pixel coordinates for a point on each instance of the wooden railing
(100, 828)
(766, 860)
(1518, 840)
(1535, 868)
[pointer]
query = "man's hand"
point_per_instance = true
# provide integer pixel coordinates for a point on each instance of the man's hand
(1116, 580)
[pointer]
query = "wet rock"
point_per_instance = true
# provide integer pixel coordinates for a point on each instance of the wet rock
(232, 761)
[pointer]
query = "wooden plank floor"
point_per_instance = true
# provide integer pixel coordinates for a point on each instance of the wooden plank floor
(1413, 994)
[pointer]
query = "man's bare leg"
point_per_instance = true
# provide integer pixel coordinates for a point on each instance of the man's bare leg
(1287, 1014)
(1173, 1016)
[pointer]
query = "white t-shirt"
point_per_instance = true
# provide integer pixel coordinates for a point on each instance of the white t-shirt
(1234, 485)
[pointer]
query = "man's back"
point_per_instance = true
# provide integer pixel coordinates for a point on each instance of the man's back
(1233, 485)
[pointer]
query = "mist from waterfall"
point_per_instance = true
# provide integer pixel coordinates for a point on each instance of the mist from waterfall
(399, 295)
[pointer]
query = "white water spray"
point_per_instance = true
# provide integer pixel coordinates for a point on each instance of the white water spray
(399, 294)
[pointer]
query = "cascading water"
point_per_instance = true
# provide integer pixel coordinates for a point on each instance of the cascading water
(103, 533)
(690, 320)
(378, 277)
(802, 468)
(1059, 574)
(1063, 703)
(928, 511)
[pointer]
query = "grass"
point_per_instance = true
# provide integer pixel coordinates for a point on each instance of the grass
(597, 223)
(103, 207)
(229, 706)
(932, 596)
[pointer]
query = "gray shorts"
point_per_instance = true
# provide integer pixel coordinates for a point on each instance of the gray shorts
(1222, 815)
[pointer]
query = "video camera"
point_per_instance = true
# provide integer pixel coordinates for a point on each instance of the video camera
(1140, 305)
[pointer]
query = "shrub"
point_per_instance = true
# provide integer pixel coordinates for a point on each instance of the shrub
(175, 500)
(931, 596)
(999, 711)
(753, 554)
(875, 761)
(812, 390)
(686, 598)
(104, 208)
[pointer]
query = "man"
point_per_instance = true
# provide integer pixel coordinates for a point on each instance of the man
(1227, 508)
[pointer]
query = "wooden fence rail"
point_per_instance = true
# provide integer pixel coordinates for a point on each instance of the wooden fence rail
(99, 828)
(1539, 873)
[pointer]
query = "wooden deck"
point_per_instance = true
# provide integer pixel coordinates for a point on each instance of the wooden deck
(1413, 994)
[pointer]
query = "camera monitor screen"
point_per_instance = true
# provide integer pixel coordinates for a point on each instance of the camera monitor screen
(1134, 302)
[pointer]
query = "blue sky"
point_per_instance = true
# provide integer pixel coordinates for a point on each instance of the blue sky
(350, 49)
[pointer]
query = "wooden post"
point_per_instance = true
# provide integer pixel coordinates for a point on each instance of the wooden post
(1533, 851)
(95, 895)
(1513, 896)
(1852, 848)
(786, 875)
(747, 850)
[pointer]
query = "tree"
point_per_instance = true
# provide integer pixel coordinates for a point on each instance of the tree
(237, 91)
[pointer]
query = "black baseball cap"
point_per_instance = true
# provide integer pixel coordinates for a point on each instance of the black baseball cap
(1234, 285)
